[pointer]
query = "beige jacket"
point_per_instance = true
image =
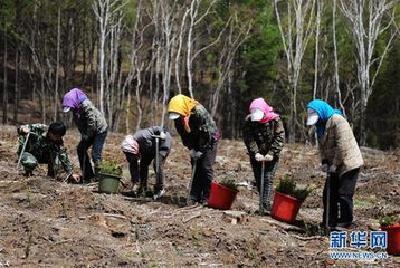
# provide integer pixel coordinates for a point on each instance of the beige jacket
(339, 147)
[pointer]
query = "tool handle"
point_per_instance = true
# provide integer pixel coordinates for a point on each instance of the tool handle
(261, 193)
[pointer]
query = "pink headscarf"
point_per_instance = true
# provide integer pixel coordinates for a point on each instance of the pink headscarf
(130, 145)
(260, 103)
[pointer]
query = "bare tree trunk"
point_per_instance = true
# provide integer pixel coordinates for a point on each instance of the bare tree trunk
(178, 53)
(42, 97)
(295, 45)
(57, 64)
(138, 101)
(365, 32)
(317, 33)
(338, 93)
(127, 111)
(17, 90)
(227, 55)
(5, 76)
(194, 20)
(84, 48)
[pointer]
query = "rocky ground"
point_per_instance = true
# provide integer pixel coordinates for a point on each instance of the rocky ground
(49, 223)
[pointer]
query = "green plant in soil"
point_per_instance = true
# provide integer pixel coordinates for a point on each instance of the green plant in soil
(110, 167)
(288, 186)
(301, 194)
(389, 220)
(231, 184)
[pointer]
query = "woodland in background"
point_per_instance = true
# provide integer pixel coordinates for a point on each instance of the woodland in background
(132, 56)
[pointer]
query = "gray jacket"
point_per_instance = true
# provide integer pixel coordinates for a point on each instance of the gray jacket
(147, 142)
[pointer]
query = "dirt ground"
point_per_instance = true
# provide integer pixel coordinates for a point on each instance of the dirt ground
(49, 223)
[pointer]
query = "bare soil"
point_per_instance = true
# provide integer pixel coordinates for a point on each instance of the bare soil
(49, 223)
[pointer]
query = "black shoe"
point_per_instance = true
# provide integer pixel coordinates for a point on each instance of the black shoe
(158, 194)
(192, 202)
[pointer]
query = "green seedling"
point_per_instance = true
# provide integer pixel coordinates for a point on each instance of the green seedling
(389, 220)
(288, 186)
(110, 167)
(231, 184)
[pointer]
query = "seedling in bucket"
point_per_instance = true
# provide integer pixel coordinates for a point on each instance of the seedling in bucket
(222, 194)
(288, 200)
(109, 177)
(391, 224)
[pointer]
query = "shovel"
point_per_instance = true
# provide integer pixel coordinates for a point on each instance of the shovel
(261, 194)
(157, 159)
(191, 179)
(328, 200)
(23, 150)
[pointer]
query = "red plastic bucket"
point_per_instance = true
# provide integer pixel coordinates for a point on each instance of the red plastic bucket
(285, 207)
(221, 197)
(393, 239)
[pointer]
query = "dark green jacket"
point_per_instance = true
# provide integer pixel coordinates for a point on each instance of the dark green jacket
(42, 148)
(203, 130)
(267, 138)
(89, 120)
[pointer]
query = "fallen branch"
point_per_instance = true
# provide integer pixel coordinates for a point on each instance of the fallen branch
(63, 241)
(309, 238)
(118, 216)
(282, 225)
(191, 218)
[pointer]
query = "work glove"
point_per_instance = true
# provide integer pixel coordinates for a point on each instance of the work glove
(324, 167)
(259, 157)
(162, 135)
(268, 157)
(73, 178)
(332, 169)
(24, 130)
(195, 155)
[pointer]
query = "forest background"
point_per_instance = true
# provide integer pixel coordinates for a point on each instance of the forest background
(132, 56)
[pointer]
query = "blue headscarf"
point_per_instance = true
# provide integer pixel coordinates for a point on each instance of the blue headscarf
(324, 112)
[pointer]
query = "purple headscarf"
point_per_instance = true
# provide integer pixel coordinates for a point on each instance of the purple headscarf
(74, 98)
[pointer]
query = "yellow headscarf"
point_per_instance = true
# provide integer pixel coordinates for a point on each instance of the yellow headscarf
(181, 104)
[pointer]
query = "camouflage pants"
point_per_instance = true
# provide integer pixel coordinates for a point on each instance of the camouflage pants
(30, 162)
(269, 174)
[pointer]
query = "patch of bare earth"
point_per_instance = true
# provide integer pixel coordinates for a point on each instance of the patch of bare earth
(45, 222)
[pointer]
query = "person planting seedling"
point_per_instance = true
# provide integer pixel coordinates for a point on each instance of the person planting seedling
(200, 134)
(148, 145)
(264, 137)
(92, 125)
(341, 160)
(42, 144)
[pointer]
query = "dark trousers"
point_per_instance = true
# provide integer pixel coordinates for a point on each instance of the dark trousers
(269, 174)
(341, 198)
(203, 175)
(97, 143)
(139, 173)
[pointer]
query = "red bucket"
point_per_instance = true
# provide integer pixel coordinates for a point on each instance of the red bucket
(221, 197)
(285, 207)
(393, 239)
